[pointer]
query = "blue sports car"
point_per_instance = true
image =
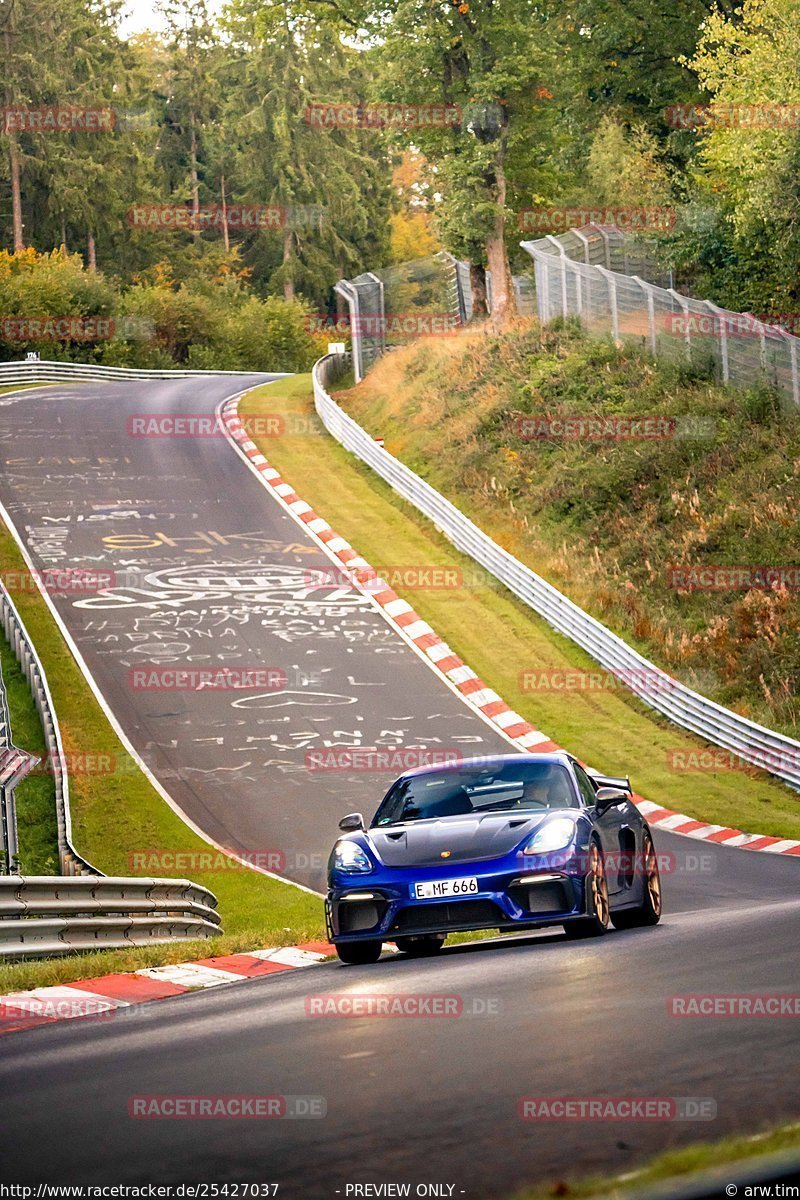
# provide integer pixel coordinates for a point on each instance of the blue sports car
(516, 841)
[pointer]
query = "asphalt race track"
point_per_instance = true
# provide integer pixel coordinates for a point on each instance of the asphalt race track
(210, 572)
(429, 1100)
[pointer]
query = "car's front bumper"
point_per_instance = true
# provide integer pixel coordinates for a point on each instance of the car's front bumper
(385, 907)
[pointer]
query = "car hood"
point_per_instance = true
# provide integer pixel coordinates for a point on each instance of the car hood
(468, 839)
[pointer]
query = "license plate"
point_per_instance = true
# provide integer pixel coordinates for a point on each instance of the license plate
(445, 887)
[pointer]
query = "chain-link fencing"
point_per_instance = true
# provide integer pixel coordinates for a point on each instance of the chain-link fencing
(429, 296)
(614, 286)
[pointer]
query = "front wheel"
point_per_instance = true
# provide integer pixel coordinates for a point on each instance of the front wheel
(421, 947)
(649, 911)
(596, 923)
(358, 954)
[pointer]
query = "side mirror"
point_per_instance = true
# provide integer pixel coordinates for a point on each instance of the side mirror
(351, 822)
(609, 797)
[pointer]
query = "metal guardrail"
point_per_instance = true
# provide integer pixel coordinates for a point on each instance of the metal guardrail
(40, 371)
(15, 764)
(72, 863)
(42, 915)
(762, 747)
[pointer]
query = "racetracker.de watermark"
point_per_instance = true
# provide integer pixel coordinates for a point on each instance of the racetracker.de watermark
(631, 865)
(210, 425)
(56, 119)
(576, 428)
(733, 116)
(54, 1004)
(162, 861)
(708, 578)
(403, 1005)
(216, 217)
(716, 759)
(59, 581)
(730, 324)
(377, 758)
(617, 1108)
(198, 679)
(755, 1004)
(378, 579)
(570, 679)
(382, 116)
(70, 328)
(547, 220)
(230, 1108)
(392, 324)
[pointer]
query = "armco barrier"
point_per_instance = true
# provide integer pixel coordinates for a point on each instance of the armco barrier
(71, 862)
(762, 747)
(39, 371)
(42, 915)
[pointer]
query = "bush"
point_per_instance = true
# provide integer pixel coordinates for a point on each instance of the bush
(214, 324)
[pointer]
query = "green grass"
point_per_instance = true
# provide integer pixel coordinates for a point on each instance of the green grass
(676, 1165)
(35, 796)
(604, 520)
(499, 637)
(21, 387)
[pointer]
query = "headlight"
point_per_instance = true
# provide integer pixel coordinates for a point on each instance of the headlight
(553, 835)
(348, 856)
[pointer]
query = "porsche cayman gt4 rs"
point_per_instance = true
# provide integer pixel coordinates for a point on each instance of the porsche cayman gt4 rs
(509, 842)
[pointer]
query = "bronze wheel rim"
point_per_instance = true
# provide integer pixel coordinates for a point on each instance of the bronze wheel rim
(599, 886)
(653, 878)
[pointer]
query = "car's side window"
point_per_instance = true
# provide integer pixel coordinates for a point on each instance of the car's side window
(585, 785)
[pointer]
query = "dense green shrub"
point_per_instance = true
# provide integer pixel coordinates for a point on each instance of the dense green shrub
(208, 323)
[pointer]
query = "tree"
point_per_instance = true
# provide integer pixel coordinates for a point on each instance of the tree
(491, 61)
(749, 163)
(331, 187)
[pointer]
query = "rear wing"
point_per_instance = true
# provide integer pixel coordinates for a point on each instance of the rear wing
(623, 782)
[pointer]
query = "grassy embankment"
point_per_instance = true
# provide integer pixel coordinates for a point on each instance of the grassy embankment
(500, 637)
(605, 520)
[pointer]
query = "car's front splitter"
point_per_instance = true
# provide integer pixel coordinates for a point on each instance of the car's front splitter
(386, 911)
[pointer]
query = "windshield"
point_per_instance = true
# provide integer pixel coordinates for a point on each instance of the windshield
(532, 785)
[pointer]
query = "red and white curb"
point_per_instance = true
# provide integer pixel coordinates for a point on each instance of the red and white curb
(438, 654)
(104, 996)
(401, 615)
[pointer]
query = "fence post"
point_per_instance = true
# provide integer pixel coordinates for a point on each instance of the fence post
(382, 318)
(651, 313)
(720, 315)
(606, 243)
(793, 363)
(346, 290)
(563, 261)
(580, 279)
(578, 290)
(612, 298)
(687, 336)
(582, 238)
